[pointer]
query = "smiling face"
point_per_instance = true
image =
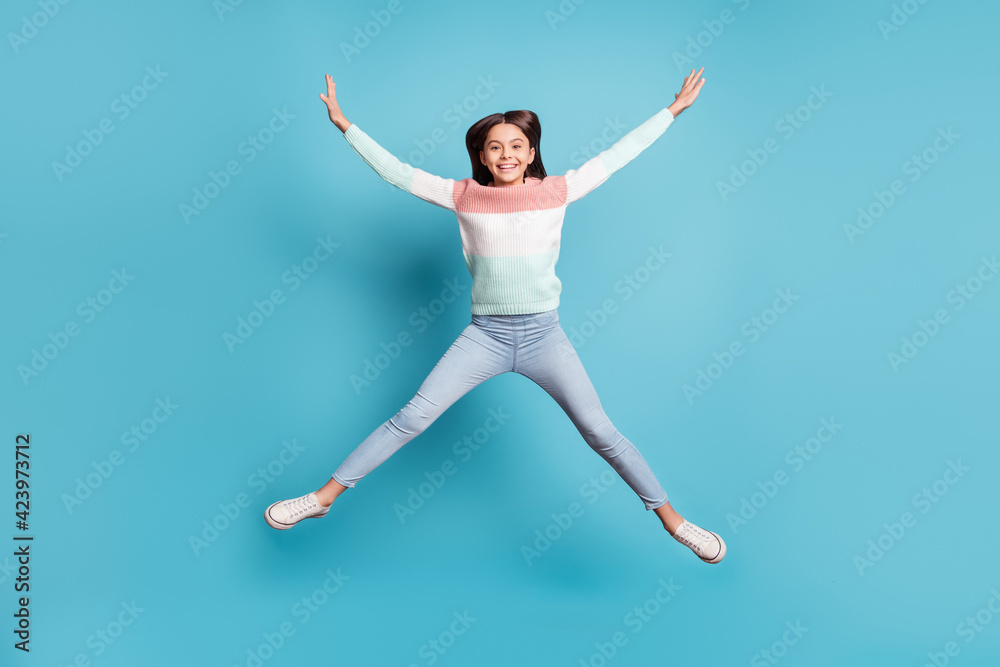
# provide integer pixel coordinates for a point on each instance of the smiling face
(506, 154)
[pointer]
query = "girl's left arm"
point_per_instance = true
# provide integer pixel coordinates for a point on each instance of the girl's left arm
(599, 168)
(434, 189)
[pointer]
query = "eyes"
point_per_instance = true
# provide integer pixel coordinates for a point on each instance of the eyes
(516, 146)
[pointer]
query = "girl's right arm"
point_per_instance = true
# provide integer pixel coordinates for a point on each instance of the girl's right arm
(434, 189)
(599, 168)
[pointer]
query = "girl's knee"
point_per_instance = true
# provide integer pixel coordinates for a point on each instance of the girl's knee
(601, 433)
(413, 418)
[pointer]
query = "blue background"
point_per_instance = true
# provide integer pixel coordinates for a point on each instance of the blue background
(793, 561)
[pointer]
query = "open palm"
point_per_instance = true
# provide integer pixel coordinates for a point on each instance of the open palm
(331, 99)
(689, 91)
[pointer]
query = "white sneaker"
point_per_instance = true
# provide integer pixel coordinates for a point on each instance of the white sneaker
(286, 513)
(707, 545)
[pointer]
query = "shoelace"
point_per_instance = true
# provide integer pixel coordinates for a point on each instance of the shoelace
(698, 533)
(299, 506)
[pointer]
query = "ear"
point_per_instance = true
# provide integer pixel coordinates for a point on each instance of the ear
(532, 158)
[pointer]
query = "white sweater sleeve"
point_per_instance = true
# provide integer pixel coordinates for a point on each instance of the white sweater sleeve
(596, 170)
(434, 189)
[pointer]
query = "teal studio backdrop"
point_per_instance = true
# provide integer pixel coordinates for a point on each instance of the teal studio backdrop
(205, 289)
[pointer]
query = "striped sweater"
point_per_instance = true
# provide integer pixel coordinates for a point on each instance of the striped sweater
(510, 234)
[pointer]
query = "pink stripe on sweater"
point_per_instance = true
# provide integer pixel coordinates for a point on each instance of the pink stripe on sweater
(535, 195)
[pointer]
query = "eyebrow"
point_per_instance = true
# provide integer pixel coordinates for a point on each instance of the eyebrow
(500, 142)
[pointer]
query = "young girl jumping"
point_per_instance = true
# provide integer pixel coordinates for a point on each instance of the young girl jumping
(510, 215)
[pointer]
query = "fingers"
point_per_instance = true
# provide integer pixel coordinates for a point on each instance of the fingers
(692, 78)
(699, 82)
(331, 91)
(689, 90)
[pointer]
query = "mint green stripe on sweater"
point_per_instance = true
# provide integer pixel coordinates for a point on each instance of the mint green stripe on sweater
(514, 285)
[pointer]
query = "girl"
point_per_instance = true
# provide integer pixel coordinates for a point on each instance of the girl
(510, 215)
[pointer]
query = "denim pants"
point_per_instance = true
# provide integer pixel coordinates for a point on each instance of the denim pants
(533, 345)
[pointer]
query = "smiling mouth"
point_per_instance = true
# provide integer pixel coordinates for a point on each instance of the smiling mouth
(511, 167)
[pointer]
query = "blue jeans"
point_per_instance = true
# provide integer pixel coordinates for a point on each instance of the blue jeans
(533, 345)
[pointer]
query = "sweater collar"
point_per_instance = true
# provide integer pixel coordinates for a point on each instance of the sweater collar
(528, 181)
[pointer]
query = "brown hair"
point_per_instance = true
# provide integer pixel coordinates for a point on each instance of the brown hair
(526, 121)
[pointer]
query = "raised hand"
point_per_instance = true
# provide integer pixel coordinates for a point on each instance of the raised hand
(330, 99)
(689, 92)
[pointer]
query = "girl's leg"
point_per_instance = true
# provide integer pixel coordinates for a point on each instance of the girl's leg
(669, 517)
(473, 358)
(329, 492)
(554, 365)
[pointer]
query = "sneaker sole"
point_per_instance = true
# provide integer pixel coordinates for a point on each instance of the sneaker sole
(285, 526)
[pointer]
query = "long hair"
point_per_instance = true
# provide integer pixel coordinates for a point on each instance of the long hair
(526, 121)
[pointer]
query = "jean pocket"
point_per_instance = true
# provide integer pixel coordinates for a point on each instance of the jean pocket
(481, 320)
